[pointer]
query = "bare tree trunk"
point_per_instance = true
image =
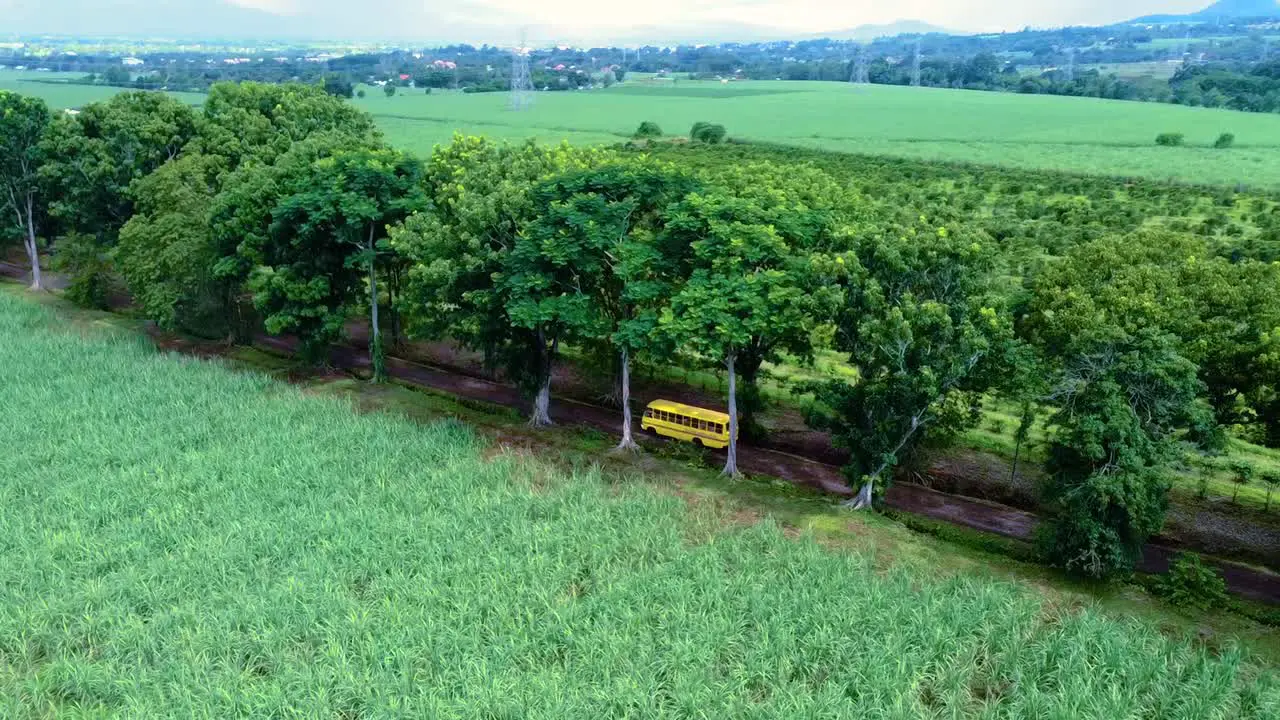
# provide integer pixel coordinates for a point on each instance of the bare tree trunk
(541, 416)
(33, 252)
(628, 443)
(863, 498)
(375, 332)
(731, 462)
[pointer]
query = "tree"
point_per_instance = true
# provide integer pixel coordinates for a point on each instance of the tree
(1124, 397)
(335, 201)
(338, 86)
(592, 261)
(709, 133)
(925, 324)
(389, 90)
(23, 121)
(648, 129)
(167, 253)
(483, 202)
(92, 158)
(808, 213)
(1241, 475)
(1272, 481)
(259, 122)
(760, 273)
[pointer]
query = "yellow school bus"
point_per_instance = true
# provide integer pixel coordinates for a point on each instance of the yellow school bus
(686, 422)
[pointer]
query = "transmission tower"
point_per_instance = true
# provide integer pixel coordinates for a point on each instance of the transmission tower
(521, 83)
(915, 67)
(860, 75)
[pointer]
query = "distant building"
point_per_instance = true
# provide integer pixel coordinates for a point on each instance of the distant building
(132, 62)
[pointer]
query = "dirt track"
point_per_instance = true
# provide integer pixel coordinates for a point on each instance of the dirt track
(916, 499)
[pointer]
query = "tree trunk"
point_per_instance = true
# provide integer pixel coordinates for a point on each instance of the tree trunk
(541, 416)
(1017, 449)
(863, 498)
(748, 367)
(33, 252)
(731, 461)
(628, 442)
(375, 332)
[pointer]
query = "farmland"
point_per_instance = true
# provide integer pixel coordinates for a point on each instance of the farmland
(1079, 135)
(1036, 132)
(223, 545)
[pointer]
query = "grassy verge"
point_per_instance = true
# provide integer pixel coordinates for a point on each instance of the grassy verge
(176, 538)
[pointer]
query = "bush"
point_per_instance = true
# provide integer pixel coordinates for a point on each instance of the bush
(648, 129)
(1191, 584)
(389, 89)
(1101, 522)
(360, 93)
(1224, 141)
(1241, 475)
(706, 132)
(1169, 139)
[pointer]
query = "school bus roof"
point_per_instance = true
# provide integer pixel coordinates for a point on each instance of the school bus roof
(690, 410)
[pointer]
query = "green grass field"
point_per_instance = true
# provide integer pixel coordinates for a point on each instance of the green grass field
(1040, 132)
(180, 540)
(1034, 132)
(61, 95)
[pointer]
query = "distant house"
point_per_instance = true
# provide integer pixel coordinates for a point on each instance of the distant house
(132, 62)
(404, 76)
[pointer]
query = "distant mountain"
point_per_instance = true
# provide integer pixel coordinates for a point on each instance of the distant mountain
(713, 33)
(1220, 9)
(867, 33)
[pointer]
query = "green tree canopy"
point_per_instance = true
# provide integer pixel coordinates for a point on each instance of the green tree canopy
(482, 201)
(591, 263)
(92, 158)
(925, 322)
(167, 253)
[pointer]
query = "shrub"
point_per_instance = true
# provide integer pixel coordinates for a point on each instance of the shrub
(1241, 475)
(360, 93)
(1191, 584)
(1224, 141)
(1169, 139)
(706, 132)
(389, 89)
(648, 129)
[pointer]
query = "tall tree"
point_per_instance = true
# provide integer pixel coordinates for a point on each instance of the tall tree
(482, 201)
(167, 252)
(1124, 395)
(804, 211)
(92, 157)
(925, 324)
(596, 244)
(23, 122)
(333, 201)
(751, 291)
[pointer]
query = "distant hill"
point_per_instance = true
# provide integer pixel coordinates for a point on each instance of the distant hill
(867, 33)
(712, 33)
(1220, 9)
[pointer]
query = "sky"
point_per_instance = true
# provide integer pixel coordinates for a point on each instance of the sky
(553, 21)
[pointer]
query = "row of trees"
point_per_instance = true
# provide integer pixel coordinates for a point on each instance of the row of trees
(279, 209)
